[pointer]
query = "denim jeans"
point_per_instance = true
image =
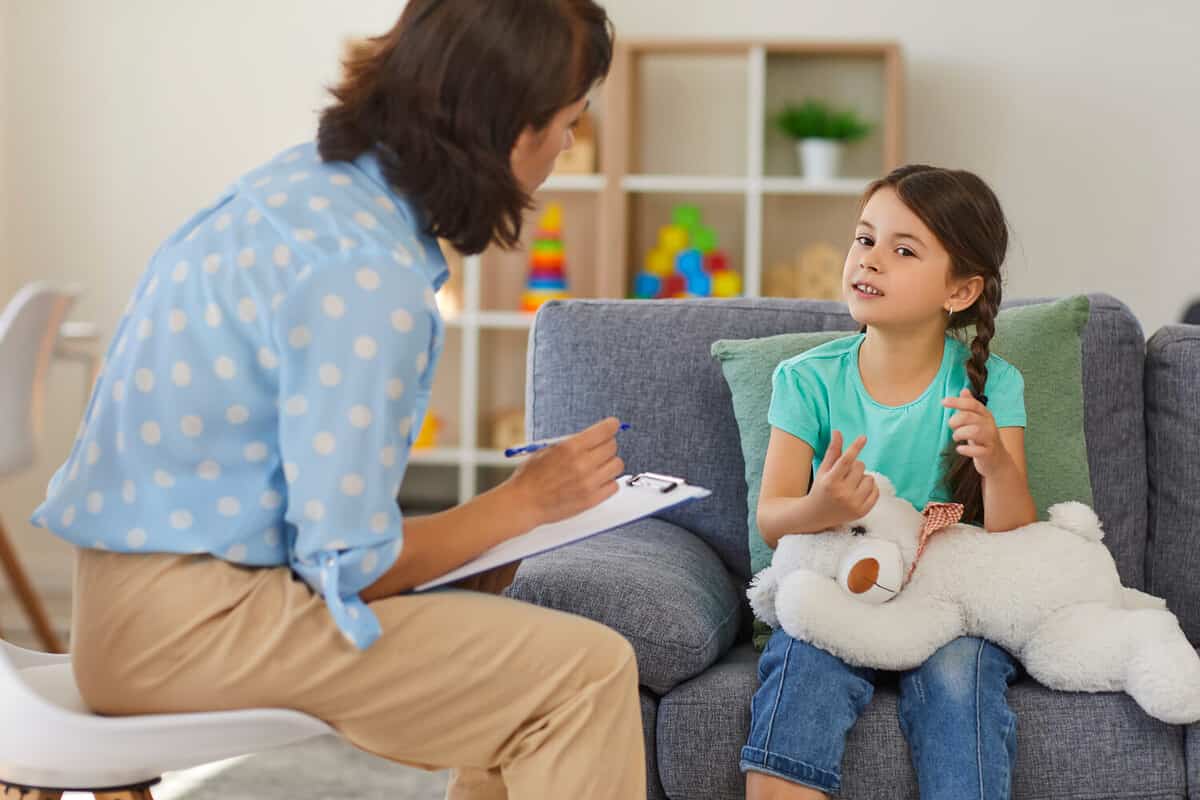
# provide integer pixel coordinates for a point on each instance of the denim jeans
(953, 712)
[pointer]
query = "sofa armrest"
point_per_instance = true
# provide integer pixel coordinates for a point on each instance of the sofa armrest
(1173, 463)
(657, 584)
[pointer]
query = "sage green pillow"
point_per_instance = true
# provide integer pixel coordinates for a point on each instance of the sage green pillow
(1043, 341)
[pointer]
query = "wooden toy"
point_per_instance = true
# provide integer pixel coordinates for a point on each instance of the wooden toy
(816, 273)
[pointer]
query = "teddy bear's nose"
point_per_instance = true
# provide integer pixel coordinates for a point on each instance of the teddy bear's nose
(863, 575)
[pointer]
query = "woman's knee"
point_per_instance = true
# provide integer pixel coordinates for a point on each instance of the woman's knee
(607, 654)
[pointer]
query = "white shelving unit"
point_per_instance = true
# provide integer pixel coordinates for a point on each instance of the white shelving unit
(744, 155)
(665, 90)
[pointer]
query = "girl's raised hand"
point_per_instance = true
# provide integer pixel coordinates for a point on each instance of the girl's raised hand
(976, 433)
(841, 489)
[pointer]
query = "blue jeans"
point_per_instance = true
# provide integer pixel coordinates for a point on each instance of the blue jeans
(953, 711)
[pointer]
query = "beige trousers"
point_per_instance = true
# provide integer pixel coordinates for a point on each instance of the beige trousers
(522, 701)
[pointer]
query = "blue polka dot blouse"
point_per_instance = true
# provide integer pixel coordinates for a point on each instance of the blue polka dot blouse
(262, 392)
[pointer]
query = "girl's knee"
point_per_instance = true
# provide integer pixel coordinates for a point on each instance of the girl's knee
(815, 679)
(964, 667)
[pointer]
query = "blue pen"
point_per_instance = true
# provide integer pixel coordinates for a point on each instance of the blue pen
(533, 447)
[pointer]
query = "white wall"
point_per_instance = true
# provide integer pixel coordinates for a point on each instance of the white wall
(122, 117)
(1081, 114)
(125, 117)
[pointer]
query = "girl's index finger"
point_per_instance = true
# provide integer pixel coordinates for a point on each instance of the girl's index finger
(851, 454)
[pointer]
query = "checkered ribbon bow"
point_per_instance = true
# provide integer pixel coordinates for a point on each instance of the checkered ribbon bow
(936, 517)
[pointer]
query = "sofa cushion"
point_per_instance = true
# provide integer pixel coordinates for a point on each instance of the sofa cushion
(659, 586)
(1069, 745)
(1042, 341)
(648, 362)
(1173, 459)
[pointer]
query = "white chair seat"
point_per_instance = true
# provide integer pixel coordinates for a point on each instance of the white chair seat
(49, 739)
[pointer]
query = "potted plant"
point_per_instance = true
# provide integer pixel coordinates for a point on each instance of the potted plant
(820, 132)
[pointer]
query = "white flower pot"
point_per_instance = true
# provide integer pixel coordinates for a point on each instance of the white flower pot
(820, 159)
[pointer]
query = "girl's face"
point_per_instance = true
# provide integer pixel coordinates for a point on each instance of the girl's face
(897, 273)
(535, 152)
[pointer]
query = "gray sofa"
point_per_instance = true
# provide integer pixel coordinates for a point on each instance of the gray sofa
(674, 585)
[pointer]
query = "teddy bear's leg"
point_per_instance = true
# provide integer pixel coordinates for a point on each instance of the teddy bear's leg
(761, 595)
(1096, 648)
(898, 635)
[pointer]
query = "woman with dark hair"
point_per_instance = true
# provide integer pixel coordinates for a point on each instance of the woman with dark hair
(232, 490)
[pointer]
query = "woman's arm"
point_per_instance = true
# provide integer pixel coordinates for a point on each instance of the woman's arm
(1007, 502)
(438, 543)
(553, 484)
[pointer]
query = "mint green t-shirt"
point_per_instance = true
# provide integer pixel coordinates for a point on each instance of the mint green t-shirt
(821, 390)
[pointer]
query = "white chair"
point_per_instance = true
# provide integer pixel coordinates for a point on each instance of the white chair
(29, 332)
(51, 743)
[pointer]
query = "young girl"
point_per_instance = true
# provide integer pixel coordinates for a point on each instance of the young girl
(925, 262)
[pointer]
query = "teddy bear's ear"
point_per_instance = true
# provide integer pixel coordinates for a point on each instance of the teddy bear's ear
(884, 484)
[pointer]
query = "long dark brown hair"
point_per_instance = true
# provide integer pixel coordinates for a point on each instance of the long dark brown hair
(965, 216)
(443, 96)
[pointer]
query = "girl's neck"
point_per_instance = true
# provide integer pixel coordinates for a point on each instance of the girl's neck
(898, 366)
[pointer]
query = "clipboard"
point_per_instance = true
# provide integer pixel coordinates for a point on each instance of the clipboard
(637, 497)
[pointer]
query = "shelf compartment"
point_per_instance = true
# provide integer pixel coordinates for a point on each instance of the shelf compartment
(501, 390)
(854, 80)
(793, 224)
(682, 120)
(725, 214)
(504, 274)
(447, 386)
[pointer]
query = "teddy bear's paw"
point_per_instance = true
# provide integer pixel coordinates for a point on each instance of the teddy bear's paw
(1077, 518)
(805, 602)
(761, 594)
(1164, 675)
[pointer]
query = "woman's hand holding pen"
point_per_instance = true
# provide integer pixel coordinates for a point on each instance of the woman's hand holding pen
(570, 477)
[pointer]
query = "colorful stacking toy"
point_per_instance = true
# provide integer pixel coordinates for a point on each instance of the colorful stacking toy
(686, 262)
(547, 275)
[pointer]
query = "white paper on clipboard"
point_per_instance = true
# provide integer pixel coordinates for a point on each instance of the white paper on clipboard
(638, 496)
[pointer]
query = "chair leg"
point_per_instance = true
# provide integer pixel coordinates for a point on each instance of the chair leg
(32, 604)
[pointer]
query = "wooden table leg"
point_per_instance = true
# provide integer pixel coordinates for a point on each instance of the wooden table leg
(34, 609)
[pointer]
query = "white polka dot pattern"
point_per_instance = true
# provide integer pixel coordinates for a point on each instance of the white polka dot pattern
(259, 400)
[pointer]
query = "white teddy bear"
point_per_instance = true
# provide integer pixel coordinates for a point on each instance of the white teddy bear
(1049, 593)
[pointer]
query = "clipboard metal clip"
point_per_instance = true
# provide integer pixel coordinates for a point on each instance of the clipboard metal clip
(664, 483)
